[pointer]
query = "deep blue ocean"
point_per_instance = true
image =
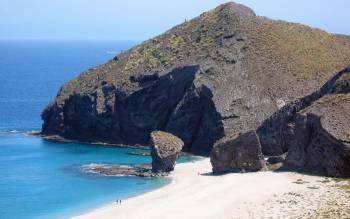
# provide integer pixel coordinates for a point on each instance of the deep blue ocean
(43, 179)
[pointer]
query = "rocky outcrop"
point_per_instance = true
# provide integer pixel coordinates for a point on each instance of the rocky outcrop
(142, 170)
(276, 159)
(165, 149)
(273, 132)
(314, 131)
(319, 135)
(297, 130)
(223, 73)
(174, 102)
(242, 153)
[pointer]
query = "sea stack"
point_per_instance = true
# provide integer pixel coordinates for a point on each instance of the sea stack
(165, 149)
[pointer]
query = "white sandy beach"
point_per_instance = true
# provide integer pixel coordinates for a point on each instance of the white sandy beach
(194, 193)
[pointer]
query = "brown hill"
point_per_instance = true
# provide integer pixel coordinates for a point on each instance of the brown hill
(222, 73)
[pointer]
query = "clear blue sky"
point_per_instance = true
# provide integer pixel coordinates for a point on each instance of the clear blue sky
(142, 19)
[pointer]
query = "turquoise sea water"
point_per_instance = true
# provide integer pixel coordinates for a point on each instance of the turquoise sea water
(43, 179)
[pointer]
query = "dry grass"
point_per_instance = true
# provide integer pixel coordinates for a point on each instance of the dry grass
(176, 45)
(300, 49)
(282, 48)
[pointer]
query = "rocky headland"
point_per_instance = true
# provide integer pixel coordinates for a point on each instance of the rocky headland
(222, 80)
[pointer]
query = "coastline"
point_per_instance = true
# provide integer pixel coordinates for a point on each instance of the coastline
(60, 139)
(195, 193)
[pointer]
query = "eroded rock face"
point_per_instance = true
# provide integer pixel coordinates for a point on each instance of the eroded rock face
(242, 153)
(274, 131)
(321, 137)
(165, 149)
(176, 102)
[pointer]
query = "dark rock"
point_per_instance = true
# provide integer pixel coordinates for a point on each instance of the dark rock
(276, 159)
(322, 137)
(143, 170)
(165, 149)
(196, 121)
(242, 153)
(173, 103)
(319, 135)
(342, 85)
(144, 78)
(279, 133)
(274, 132)
(218, 74)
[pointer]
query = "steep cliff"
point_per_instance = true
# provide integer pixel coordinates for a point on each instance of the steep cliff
(313, 130)
(319, 135)
(222, 73)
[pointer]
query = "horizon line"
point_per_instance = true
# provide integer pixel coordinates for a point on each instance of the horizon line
(72, 39)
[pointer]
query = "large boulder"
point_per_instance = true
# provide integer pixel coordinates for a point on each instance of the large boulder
(165, 149)
(242, 153)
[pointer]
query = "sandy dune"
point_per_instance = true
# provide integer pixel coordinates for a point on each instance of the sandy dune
(194, 193)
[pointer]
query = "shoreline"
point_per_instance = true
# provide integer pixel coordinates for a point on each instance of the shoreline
(195, 193)
(57, 138)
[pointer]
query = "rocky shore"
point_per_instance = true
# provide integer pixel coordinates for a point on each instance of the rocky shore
(143, 170)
